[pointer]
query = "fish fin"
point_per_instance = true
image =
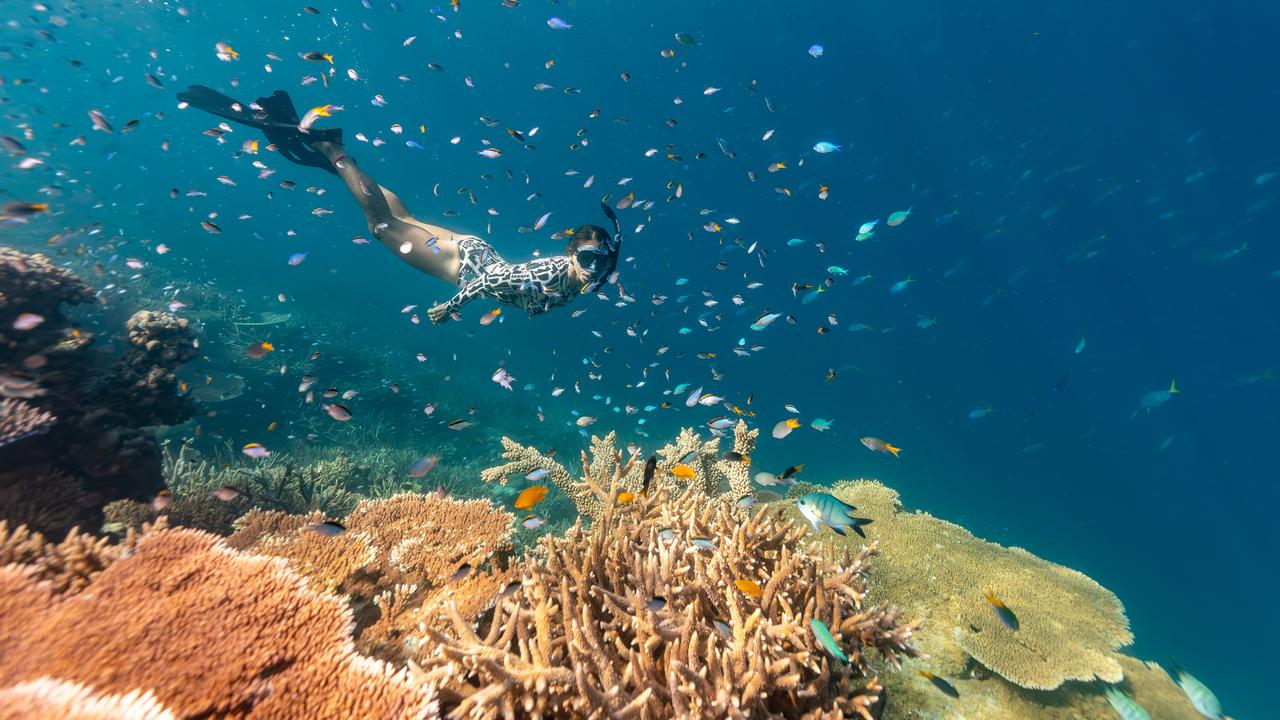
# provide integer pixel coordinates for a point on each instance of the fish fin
(1173, 388)
(892, 449)
(857, 526)
(840, 531)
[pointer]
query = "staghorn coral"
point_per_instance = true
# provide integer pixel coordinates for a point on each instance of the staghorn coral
(580, 636)
(208, 631)
(67, 566)
(711, 472)
(48, 699)
(19, 420)
(1070, 625)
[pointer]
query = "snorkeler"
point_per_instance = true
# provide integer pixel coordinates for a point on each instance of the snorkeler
(463, 260)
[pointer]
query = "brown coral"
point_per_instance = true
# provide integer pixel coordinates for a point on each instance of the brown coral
(396, 561)
(1070, 625)
(68, 565)
(619, 620)
(209, 631)
(43, 498)
(19, 420)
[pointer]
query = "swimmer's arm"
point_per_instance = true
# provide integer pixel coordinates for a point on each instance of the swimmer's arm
(472, 290)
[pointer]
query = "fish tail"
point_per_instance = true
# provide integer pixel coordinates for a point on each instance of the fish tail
(857, 526)
(1173, 388)
(892, 449)
(925, 674)
(995, 601)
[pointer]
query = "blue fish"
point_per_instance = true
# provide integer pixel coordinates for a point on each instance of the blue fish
(825, 147)
(823, 509)
(828, 643)
(1125, 707)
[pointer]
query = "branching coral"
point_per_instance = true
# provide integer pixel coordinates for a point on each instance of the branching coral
(208, 631)
(711, 472)
(19, 420)
(41, 497)
(66, 566)
(641, 615)
(1070, 626)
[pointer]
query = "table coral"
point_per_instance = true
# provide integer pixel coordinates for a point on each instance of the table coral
(1069, 625)
(620, 619)
(208, 631)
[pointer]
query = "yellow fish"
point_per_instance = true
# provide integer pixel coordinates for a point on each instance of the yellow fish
(749, 587)
(531, 496)
(625, 497)
(683, 471)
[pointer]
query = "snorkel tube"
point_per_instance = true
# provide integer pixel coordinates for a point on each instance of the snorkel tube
(612, 247)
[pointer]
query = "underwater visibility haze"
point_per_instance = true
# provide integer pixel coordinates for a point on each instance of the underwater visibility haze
(1014, 262)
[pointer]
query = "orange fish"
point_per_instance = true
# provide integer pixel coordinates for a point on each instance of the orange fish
(531, 496)
(257, 351)
(683, 471)
(625, 497)
(749, 587)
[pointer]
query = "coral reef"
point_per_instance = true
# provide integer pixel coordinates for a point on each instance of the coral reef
(158, 343)
(711, 472)
(19, 420)
(641, 615)
(42, 497)
(48, 699)
(398, 560)
(207, 631)
(86, 418)
(65, 566)
(1070, 627)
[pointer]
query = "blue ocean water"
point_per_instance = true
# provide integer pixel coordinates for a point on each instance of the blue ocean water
(1092, 218)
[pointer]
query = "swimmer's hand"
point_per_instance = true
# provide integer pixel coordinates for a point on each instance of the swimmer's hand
(439, 314)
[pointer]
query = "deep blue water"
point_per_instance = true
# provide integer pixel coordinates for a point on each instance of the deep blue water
(1091, 169)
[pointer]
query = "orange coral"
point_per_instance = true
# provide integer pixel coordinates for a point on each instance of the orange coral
(209, 631)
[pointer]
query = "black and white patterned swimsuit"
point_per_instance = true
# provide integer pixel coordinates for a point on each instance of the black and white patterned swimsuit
(536, 286)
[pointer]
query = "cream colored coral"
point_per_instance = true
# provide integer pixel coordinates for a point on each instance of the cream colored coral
(579, 637)
(49, 699)
(1070, 628)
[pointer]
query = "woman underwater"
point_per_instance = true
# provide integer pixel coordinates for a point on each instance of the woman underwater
(462, 260)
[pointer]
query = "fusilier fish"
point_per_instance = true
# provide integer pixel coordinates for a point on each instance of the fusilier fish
(823, 509)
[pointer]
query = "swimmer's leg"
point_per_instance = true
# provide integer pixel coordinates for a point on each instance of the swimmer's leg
(392, 224)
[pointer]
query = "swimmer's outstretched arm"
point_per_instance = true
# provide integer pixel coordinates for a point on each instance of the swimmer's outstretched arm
(479, 287)
(391, 223)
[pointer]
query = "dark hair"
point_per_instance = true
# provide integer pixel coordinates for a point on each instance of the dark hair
(588, 234)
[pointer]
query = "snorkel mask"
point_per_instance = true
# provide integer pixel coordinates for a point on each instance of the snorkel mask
(600, 260)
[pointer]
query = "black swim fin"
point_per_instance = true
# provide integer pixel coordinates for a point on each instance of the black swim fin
(275, 115)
